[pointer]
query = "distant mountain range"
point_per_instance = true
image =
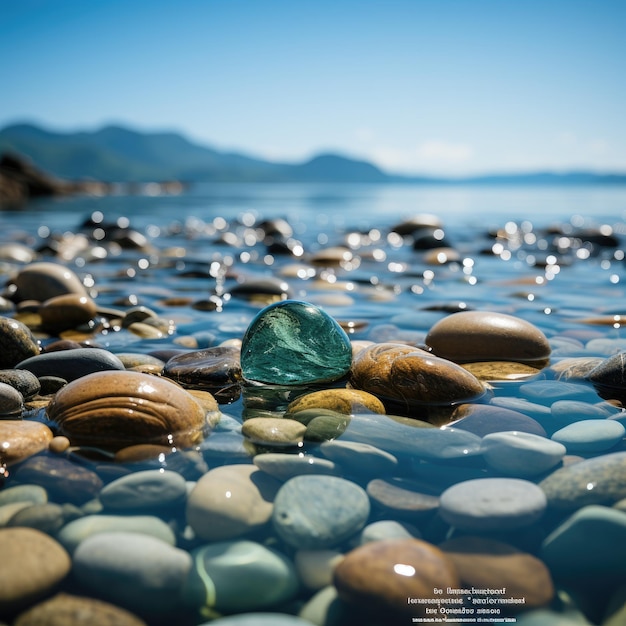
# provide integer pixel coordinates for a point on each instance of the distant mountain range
(117, 154)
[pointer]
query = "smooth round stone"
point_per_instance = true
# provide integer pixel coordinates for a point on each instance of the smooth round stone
(113, 410)
(76, 531)
(11, 402)
(66, 312)
(293, 342)
(8, 511)
(148, 489)
(497, 371)
(136, 571)
(521, 454)
(325, 426)
(409, 376)
(69, 610)
(565, 412)
(59, 444)
(483, 419)
(71, 364)
(387, 529)
(286, 466)
(600, 480)
(23, 381)
(63, 480)
(16, 343)
(273, 431)
(590, 435)
(48, 517)
(21, 439)
(575, 368)
(589, 548)
(609, 377)
(402, 498)
(382, 575)
(33, 494)
(216, 369)
(231, 501)
(315, 567)
(492, 504)
(489, 564)
(487, 336)
(36, 563)
(317, 512)
(346, 401)
(41, 281)
(538, 412)
(360, 459)
(259, 619)
(239, 576)
(547, 392)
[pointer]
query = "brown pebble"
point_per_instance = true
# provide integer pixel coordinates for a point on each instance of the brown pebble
(20, 439)
(59, 444)
(67, 311)
(346, 401)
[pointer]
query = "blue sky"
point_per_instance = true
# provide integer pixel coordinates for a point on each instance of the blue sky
(417, 86)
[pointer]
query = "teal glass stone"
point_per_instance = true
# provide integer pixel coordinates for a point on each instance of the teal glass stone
(293, 343)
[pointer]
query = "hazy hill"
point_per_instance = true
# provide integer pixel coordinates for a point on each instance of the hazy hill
(119, 154)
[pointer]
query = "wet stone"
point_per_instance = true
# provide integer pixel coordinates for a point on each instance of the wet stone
(600, 480)
(295, 342)
(387, 529)
(381, 575)
(16, 343)
(135, 571)
(316, 512)
(609, 377)
(360, 459)
(145, 490)
(222, 570)
(483, 419)
(231, 501)
(116, 409)
(487, 504)
(23, 381)
(66, 312)
(286, 466)
(47, 517)
(586, 436)
(521, 454)
(485, 336)
(566, 412)
(71, 364)
(274, 431)
(76, 531)
(37, 564)
(402, 498)
(315, 567)
(325, 426)
(44, 280)
(69, 610)
(404, 377)
(21, 439)
(33, 494)
(11, 402)
(547, 392)
(346, 401)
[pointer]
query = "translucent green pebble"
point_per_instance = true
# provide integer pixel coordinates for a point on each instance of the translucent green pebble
(293, 343)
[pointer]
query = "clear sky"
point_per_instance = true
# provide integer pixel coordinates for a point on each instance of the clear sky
(416, 86)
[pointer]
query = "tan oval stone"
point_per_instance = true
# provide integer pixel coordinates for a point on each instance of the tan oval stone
(116, 409)
(501, 370)
(487, 336)
(382, 576)
(346, 401)
(273, 431)
(41, 281)
(231, 501)
(20, 439)
(66, 311)
(408, 376)
(37, 564)
(489, 564)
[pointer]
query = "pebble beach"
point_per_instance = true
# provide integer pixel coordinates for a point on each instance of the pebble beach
(250, 416)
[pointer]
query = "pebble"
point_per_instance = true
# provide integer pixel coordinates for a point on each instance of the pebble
(292, 342)
(21, 439)
(76, 531)
(23, 381)
(521, 454)
(483, 419)
(315, 567)
(565, 412)
(33, 494)
(44, 280)
(345, 401)
(588, 436)
(116, 409)
(387, 529)
(11, 402)
(231, 501)
(599, 480)
(239, 576)
(383, 575)
(486, 504)
(286, 466)
(34, 564)
(274, 431)
(405, 377)
(16, 343)
(48, 517)
(402, 498)
(69, 610)
(144, 490)
(66, 312)
(360, 459)
(136, 571)
(547, 392)
(317, 512)
(71, 364)
(489, 564)
(610, 375)
(487, 336)
(326, 425)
